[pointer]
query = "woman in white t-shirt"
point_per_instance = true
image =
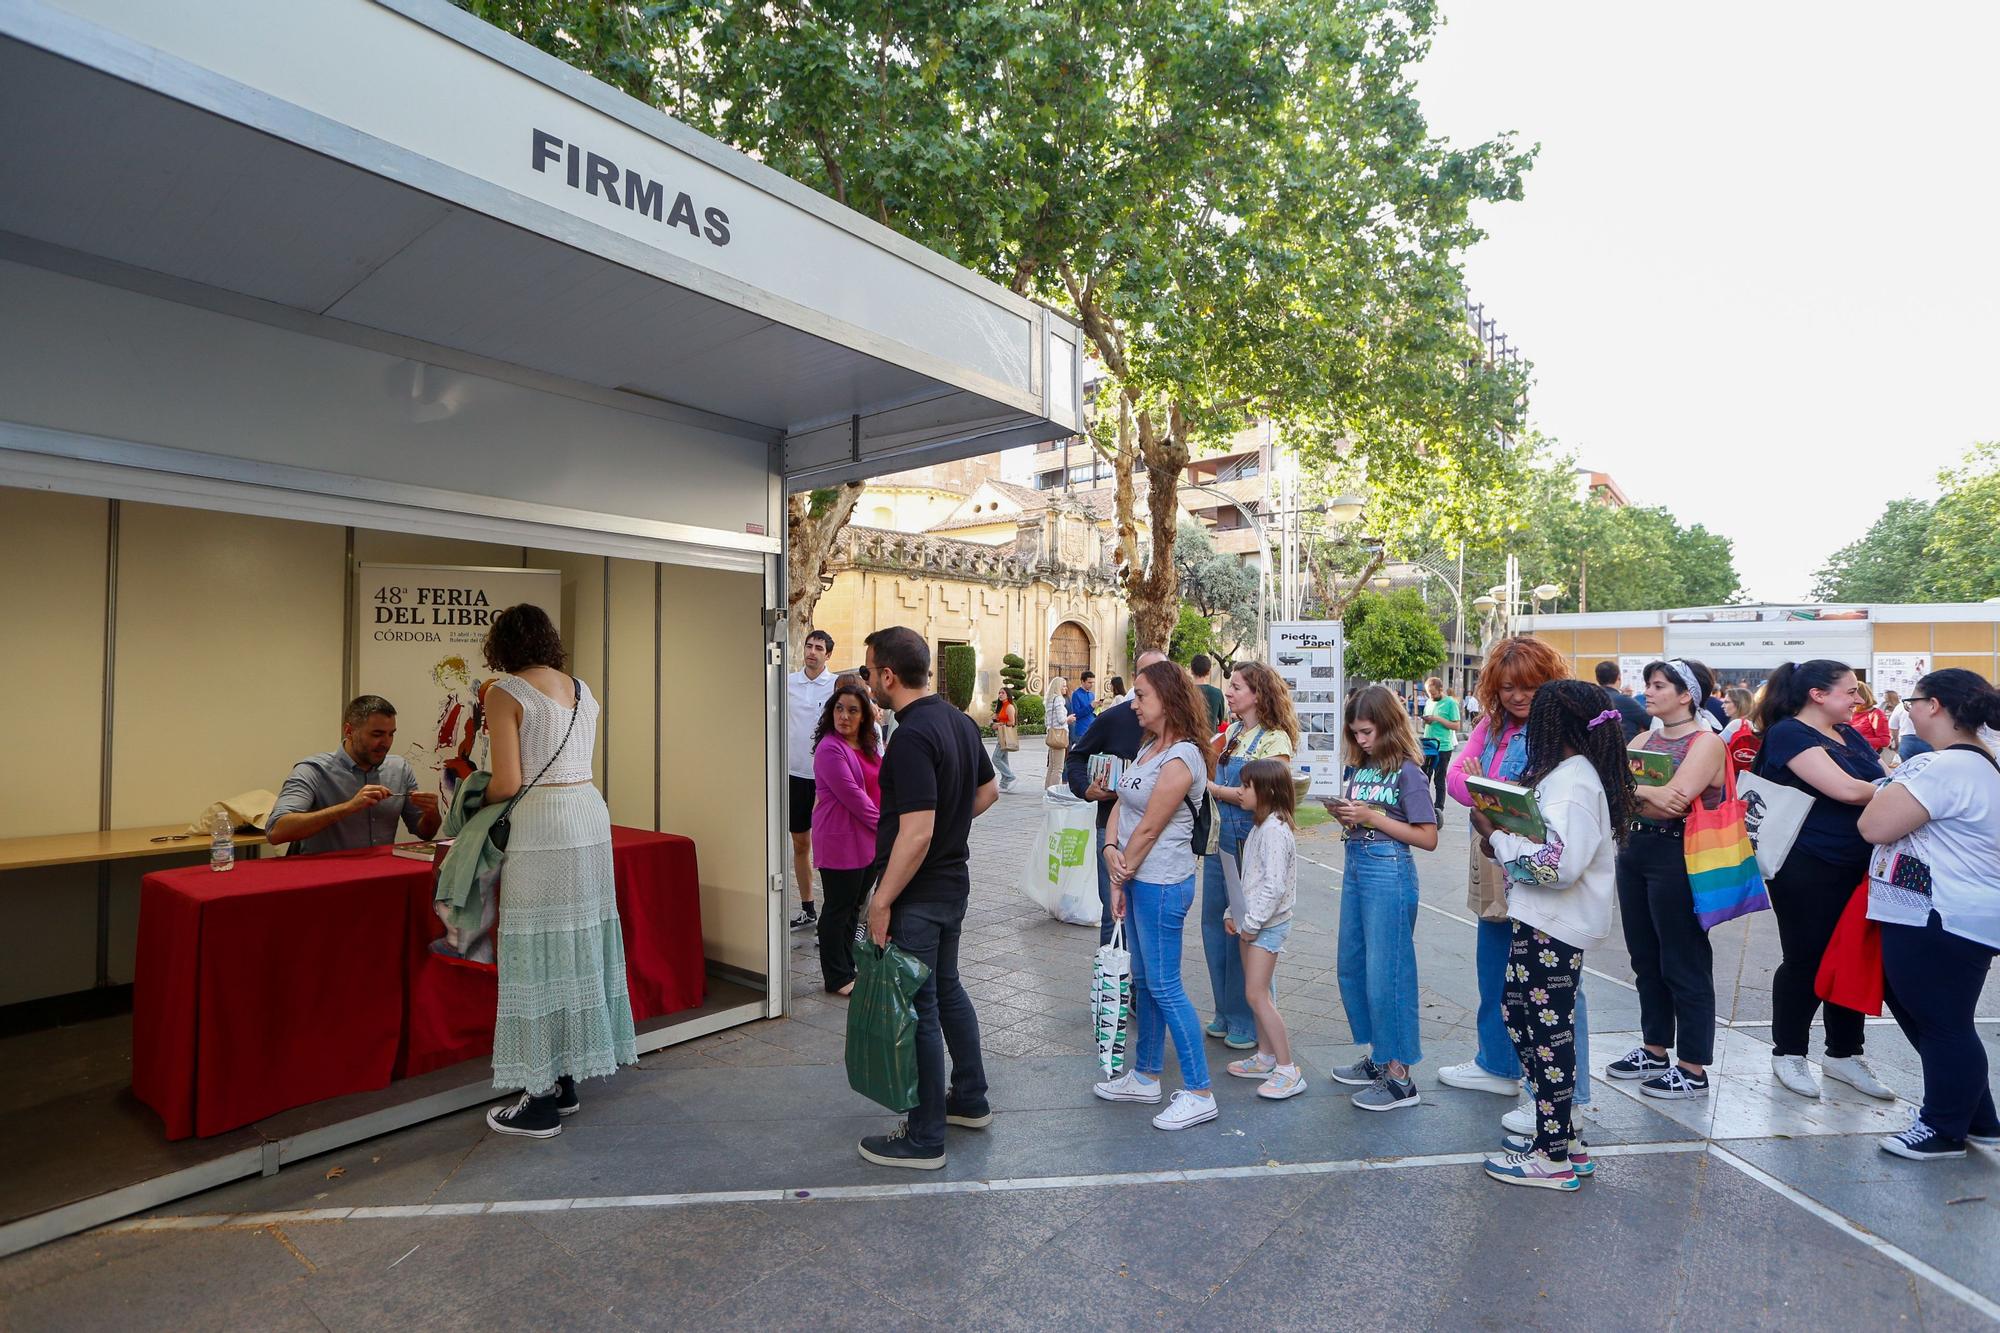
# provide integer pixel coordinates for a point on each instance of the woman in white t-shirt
(1152, 866)
(1934, 885)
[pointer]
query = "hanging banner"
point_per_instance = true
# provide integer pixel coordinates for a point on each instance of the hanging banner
(419, 629)
(1898, 671)
(1310, 656)
(1632, 674)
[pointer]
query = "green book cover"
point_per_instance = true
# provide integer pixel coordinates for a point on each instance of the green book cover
(1650, 768)
(1508, 806)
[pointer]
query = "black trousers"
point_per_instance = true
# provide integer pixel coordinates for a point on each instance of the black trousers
(1673, 963)
(1808, 896)
(843, 891)
(1435, 768)
(1542, 975)
(945, 1019)
(1934, 979)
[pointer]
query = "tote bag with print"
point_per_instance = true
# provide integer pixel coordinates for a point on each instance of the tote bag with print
(1722, 864)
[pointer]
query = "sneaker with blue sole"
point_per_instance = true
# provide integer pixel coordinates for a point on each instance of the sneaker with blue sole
(1580, 1160)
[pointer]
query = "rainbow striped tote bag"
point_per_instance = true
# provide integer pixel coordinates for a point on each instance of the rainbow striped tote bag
(1721, 863)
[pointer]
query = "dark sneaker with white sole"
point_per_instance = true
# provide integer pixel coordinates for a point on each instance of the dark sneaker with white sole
(1676, 1084)
(807, 918)
(567, 1102)
(895, 1149)
(967, 1117)
(1640, 1063)
(1921, 1143)
(530, 1117)
(1386, 1094)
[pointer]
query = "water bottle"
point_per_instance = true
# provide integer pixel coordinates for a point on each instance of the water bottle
(221, 842)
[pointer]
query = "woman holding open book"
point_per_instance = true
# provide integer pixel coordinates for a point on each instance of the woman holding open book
(1674, 967)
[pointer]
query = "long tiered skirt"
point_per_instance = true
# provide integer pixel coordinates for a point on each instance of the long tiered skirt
(563, 1002)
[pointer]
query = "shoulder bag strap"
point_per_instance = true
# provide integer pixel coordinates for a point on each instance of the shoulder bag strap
(575, 707)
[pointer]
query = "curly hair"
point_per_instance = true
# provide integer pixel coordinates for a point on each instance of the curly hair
(1274, 699)
(1522, 659)
(523, 636)
(1573, 717)
(848, 687)
(1184, 714)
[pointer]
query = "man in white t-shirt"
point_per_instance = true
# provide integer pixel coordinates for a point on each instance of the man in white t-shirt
(807, 691)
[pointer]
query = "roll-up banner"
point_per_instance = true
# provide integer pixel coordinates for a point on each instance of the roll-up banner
(1310, 656)
(418, 630)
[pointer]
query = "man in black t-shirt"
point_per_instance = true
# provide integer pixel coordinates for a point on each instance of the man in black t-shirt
(936, 777)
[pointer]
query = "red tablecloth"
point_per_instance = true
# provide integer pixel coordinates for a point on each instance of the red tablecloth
(297, 978)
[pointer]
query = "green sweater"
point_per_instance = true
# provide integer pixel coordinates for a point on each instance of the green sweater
(472, 859)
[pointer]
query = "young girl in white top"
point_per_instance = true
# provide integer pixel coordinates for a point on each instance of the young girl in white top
(1270, 882)
(1560, 894)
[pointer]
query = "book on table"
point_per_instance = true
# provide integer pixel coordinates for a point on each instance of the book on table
(1509, 806)
(1650, 768)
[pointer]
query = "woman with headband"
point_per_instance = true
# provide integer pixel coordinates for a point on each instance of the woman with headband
(1672, 963)
(1808, 744)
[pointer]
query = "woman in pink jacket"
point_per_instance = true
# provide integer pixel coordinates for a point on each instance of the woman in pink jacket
(846, 805)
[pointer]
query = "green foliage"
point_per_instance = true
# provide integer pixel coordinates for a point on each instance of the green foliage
(1885, 564)
(1391, 636)
(1033, 710)
(1014, 673)
(1962, 549)
(1192, 635)
(1919, 551)
(1629, 559)
(958, 666)
(1218, 597)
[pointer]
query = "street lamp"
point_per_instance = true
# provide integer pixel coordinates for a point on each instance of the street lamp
(1345, 509)
(1485, 603)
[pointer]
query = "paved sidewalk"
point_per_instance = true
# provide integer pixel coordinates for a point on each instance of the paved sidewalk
(717, 1185)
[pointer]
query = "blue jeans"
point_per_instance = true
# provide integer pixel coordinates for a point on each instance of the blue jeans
(1157, 913)
(1225, 960)
(1377, 953)
(1001, 765)
(1909, 747)
(1496, 1051)
(945, 1018)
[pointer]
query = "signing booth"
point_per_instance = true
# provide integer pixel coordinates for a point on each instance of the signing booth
(291, 293)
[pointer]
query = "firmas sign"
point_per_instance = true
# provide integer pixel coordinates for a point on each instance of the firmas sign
(602, 178)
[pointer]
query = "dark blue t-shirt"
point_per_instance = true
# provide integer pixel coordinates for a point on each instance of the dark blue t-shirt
(1832, 829)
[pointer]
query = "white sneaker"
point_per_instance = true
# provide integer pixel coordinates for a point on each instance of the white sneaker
(1855, 1073)
(1187, 1108)
(1472, 1078)
(1128, 1087)
(1795, 1074)
(1520, 1120)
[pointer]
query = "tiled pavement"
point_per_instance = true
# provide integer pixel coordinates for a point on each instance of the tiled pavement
(1752, 1209)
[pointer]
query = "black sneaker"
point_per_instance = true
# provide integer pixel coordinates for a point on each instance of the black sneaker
(530, 1117)
(1921, 1143)
(807, 918)
(1986, 1137)
(1676, 1085)
(895, 1149)
(1641, 1063)
(966, 1117)
(567, 1102)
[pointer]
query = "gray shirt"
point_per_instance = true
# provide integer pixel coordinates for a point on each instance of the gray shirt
(322, 780)
(1172, 858)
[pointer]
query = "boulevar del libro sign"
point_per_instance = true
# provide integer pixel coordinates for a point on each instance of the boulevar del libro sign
(418, 633)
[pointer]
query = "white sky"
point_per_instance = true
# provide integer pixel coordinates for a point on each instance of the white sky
(1758, 265)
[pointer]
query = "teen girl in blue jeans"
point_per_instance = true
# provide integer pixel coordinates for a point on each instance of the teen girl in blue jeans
(1385, 809)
